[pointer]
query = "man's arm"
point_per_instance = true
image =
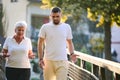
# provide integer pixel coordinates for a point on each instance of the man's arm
(70, 46)
(40, 48)
(71, 50)
(40, 51)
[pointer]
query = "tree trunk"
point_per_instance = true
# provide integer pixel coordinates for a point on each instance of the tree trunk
(1, 27)
(107, 40)
(107, 47)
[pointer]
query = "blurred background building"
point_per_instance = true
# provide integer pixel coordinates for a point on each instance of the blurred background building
(27, 10)
(115, 42)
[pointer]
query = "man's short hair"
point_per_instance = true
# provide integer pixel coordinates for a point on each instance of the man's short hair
(56, 10)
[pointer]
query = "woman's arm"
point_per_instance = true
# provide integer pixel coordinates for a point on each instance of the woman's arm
(31, 55)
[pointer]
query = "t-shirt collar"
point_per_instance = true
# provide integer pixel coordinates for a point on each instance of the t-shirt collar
(54, 24)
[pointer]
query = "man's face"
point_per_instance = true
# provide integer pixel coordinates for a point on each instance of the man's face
(56, 17)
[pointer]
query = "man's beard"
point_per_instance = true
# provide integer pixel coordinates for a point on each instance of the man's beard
(56, 22)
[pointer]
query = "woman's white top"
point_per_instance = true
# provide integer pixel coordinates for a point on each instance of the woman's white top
(18, 52)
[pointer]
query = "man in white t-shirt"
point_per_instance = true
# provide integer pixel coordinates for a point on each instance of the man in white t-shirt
(55, 36)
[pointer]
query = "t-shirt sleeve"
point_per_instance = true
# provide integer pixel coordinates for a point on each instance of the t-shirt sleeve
(5, 45)
(42, 32)
(69, 34)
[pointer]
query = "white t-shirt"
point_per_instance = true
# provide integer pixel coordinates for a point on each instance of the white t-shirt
(55, 40)
(18, 52)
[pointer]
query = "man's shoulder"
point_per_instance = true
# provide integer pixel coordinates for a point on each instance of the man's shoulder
(65, 24)
(47, 24)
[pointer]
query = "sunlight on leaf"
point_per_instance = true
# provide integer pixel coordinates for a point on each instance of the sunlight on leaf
(45, 4)
(90, 15)
(45, 1)
(64, 18)
(101, 21)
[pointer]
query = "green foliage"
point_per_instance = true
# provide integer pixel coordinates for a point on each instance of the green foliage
(88, 66)
(84, 50)
(97, 45)
(109, 9)
(34, 79)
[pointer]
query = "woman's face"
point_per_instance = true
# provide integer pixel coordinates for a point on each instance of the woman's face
(20, 31)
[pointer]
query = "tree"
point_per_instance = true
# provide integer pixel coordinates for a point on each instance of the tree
(1, 26)
(105, 12)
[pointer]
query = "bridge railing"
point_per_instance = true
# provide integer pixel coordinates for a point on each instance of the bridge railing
(77, 73)
(99, 66)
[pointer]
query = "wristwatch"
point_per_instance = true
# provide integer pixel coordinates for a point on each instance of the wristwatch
(72, 53)
(40, 59)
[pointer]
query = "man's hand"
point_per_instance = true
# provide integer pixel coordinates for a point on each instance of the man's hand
(73, 57)
(41, 63)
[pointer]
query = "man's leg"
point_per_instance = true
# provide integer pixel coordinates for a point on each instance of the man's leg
(61, 70)
(49, 71)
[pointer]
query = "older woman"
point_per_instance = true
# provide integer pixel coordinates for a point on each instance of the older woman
(18, 50)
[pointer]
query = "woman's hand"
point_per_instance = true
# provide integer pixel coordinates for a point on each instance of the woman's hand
(5, 53)
(31, 56)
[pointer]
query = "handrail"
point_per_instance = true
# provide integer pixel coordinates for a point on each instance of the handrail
(77, 73)
(101, 68)
(110, 65)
